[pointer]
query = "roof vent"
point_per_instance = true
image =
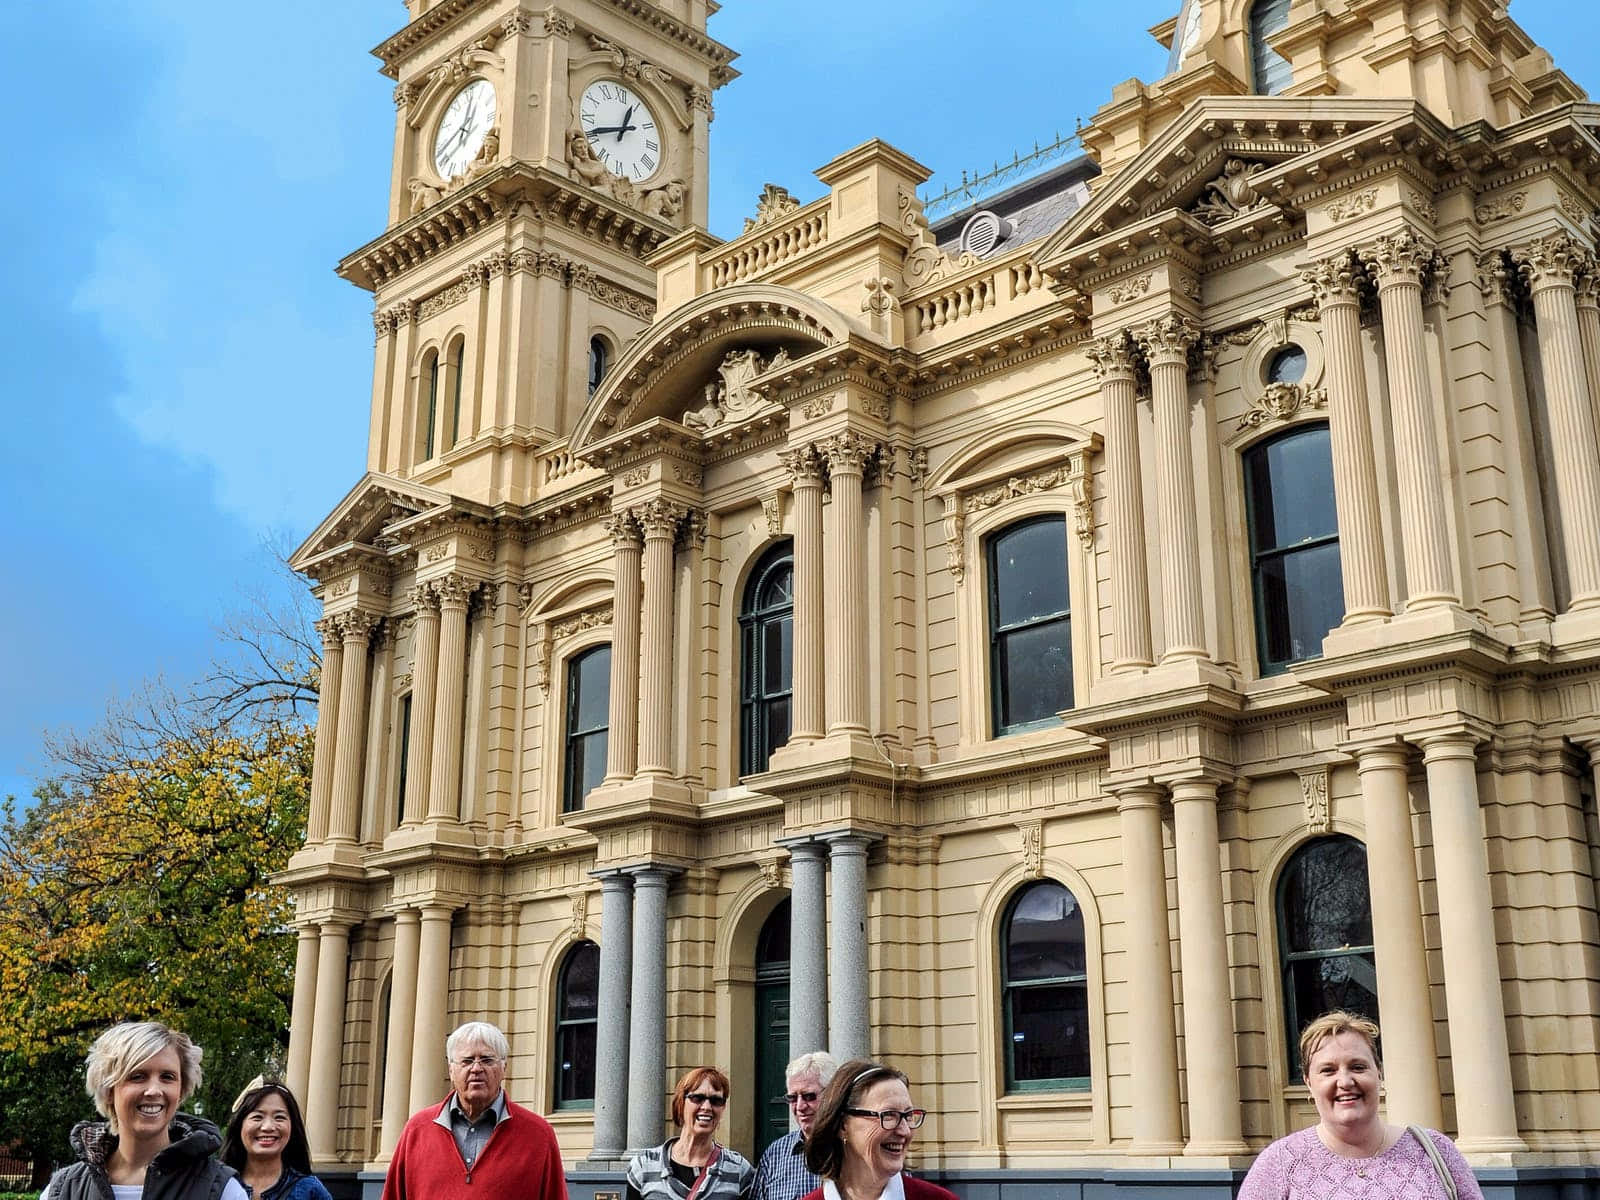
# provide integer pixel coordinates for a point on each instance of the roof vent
(984, 231)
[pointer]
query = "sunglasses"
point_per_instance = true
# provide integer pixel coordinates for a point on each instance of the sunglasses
(793, 1098)
(706, 1098)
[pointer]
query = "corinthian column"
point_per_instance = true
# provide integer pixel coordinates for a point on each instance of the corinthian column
(1550, 266)
(1335, 282)
(622, 741)
(1588, 295)
(444, 782)
(1398, 263)
(805, 469)
(659, 519)
(847, 570)
(350, 747)
(1166, 343)
(424, 690)
(325, 748)
(1130, 586)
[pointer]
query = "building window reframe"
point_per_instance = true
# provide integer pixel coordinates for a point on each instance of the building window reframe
(1270, 73)
(1009, 988)
(565, 1026)
(571, 801)
(599, 361)
(999, 634)
(755, 702)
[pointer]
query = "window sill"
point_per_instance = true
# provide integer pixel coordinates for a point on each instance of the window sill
(1062, 1101)
(570, 1116)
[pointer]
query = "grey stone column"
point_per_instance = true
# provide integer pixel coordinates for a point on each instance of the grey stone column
(647, 1029)
(849, 1033)
(808, 948)
(613, 1023)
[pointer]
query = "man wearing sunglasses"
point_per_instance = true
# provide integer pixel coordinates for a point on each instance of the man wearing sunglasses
(782, 1172)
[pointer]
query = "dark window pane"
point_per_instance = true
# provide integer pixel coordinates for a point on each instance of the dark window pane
(1320, 985)
(777, 587)
(1029, 573)
(1302, 597)
(580, 982)
(777, 723)
(1270, 69)
(1287, 366)
(1292, 490)
(1325, 905)
(1035, 673)
(766, 668)
(575, 1063)
(1045, 937)
(592, 676)
(1049, 1032)
(777, 654)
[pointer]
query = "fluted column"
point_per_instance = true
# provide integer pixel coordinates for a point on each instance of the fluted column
(647, 1032)
(659, 520)
(327, 1041)
(424, 692)
(1166, 345)
(1210, 1049)
(350, 750)
(1130, 585)
(622, 741)
(1486, 1116)
(848, 1019)
(847, 455)
(1588, 298)
(428, 1074)
(324, 750)
(1398, 264)
(1550, 265)
(402, 1028)
(808, 948)
(302, 1016)
(614, 1018)
(1153, 1046)
(1335, 283)
(444, 781)
(1410, 1054)
(805, 469)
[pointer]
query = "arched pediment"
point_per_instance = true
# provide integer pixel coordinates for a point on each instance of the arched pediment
(1024, 446)
(664, 373)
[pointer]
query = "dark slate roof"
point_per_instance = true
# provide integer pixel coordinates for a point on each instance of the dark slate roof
(1037, 206)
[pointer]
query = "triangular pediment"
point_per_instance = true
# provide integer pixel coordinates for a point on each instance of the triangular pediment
(374, 503)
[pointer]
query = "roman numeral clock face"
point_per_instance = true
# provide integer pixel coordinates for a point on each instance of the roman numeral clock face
(621, 130)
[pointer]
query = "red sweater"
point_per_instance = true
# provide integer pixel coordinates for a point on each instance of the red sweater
(916, 1189)
(520, 1161)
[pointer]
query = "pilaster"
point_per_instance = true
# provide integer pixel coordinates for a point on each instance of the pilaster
(627, 591)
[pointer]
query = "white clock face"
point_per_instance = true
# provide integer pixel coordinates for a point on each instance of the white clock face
(621, 130)
(462, 130)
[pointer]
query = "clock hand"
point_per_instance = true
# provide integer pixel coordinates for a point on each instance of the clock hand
(626, 117)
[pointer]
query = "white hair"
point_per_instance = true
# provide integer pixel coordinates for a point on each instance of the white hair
(818, 1062)
(477, 1031)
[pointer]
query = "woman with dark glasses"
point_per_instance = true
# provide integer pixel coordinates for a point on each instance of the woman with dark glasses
(692, 1166)
(859, 1142)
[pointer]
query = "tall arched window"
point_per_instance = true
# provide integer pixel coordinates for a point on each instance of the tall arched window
(1030, 624)
(766, 626)
(405, 754)
(1294, 545)
(1270, 72)
(1325, 936)
(577, 1015)
(430, 409)
(458, 362)
(588, 725)
(598, 356)
(1044, 980)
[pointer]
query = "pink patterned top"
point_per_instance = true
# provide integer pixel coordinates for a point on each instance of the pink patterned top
(1300, 1167)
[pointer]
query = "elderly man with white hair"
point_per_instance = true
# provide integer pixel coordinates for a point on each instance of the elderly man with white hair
(782, 1173)
(476, 1142)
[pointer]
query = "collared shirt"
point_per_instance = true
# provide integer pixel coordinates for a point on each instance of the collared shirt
(782, 1174)
(895, 1190)
(471, 1136)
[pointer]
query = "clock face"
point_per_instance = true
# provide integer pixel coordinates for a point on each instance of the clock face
(462, 130)
(621, 130)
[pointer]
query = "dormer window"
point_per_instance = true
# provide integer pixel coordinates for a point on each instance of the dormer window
(1270, 72)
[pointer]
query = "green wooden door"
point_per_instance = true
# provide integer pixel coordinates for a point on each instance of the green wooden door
(772, 1027)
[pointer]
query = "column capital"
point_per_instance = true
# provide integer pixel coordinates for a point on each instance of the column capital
(1335, 280)
(1497, 277)
(847, 452)
(330, 629)
(613, 879)
(1168, 340)
(400, 910)
(1448, 744)
(1398, 258)
(651, 872)
(1114, 356)
(1588, 282)
(623, 528)
(1196, 787)
(453, 591)
(1378, 756)
(804, 464)
(659, 519)
(808, 848)
(1552, 261)
(357, 625)
(1138, 795)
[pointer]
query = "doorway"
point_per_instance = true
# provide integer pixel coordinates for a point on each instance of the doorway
(772, 1027)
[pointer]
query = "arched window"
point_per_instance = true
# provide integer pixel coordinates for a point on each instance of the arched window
(588, 724)
(1270, 72)
(1044, 981)
(766, 626)
(598, 361)
(1030, 625)
(405, 754)
(1294, 546)
(458, 362)
(577, 1015)
(430, 383)
(1325, 936)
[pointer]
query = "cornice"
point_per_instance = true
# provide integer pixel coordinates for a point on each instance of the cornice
(641, 12)
(999, 349)
(395, 47)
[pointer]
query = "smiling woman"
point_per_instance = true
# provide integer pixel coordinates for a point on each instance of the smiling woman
(862, 1137)
(693, 1165)
(138, 1073)
(266, 1144)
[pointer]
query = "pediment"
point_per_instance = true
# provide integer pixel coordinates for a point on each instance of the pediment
(695, 366)
(359, 520)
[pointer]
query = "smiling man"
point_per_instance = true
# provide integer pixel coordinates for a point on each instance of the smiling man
(476, 1142)
(782, 1173)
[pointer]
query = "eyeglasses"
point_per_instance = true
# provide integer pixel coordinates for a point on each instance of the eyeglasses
(793, 1098)
(706, 1098)
(477, 1060)
(892, 1118)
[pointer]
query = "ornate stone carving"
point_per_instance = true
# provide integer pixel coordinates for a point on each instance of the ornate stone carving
(1231, 194)
(1125, 290)
(421, 597)
(1168, 339)
(590, 170)
(925, 262)
(539, 660)
(695, 529)
(357, 625)
(1421, 205)
(1572, 208)
(773, 204)
(629, 64)
(615, 297)
(1279, 402)
(659, 518)
(590, 618)
(454, 590)
(700, 100)
(803, 463)
(1499, 208)
(1335, 278)
(879, 296)
(1348, 207)
(772, 872)
(1032, 848)
(1436, 284)
(1080, 482)
(516, 22)
(772, 511)
(1545, 261)
(557, 23)
(1314, 792)
(1113, 355)
(635, 477)
(580, 915)
(405, 94)
(847, 452)
(1040, 480)
(955, 534)
(328, 627)
(819, 405)
(728, 396)
(448, 298)
(1398, 258)
(623, 529)
(665, 200)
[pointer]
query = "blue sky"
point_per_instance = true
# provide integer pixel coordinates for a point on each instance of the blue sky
(192, 377)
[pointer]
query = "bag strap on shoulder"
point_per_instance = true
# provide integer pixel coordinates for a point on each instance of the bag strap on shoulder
(1447, 1179)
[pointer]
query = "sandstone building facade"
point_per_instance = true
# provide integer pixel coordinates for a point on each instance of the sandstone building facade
(1058, 649)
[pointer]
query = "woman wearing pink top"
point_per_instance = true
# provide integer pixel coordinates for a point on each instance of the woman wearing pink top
(1351, 1152)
